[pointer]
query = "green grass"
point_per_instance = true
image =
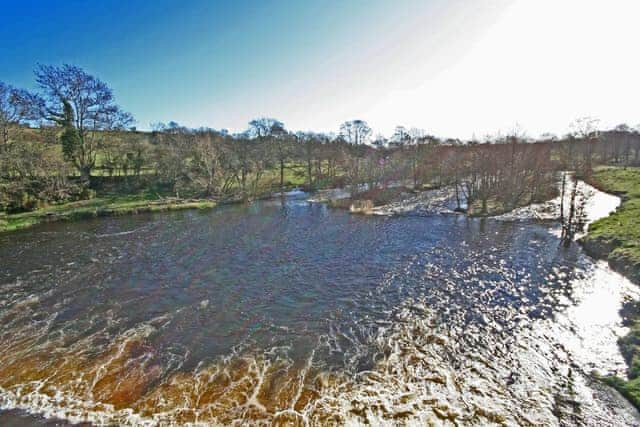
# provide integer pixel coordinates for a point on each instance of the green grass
(106, 205)
(294, 176)
(617, 238)
(629, 389)
(630, 348)
(618, 235)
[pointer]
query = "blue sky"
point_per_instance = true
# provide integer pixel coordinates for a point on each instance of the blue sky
(452, 67)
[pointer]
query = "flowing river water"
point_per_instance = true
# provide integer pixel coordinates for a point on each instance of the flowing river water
(287, 312)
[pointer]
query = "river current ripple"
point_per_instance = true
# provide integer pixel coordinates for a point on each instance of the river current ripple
(287, 312)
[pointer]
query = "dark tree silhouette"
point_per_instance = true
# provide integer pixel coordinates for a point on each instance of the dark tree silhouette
(355, 132)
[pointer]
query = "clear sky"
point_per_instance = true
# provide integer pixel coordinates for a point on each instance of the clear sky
(452, 67)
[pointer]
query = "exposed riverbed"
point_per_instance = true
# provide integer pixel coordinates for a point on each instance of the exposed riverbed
(291, 311)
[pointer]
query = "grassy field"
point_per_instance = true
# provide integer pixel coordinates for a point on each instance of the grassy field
(294, 176)
(105, 205)
(617, 239)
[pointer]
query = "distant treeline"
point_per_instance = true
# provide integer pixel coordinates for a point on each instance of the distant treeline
(70, 139)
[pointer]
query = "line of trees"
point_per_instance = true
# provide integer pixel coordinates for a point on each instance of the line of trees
(71, 137)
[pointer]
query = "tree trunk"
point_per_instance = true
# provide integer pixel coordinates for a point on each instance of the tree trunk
(281, 173)
(85, 175)
(570, 226)
(562, 193)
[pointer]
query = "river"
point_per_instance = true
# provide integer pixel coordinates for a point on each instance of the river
(287, 311)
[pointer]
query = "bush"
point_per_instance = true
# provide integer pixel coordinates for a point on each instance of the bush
(35, 175)
(24, 196)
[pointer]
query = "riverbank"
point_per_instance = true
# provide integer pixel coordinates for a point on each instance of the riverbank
(107, 205)
(616, 238)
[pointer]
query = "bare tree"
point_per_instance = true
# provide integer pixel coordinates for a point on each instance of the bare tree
(171, 154)
(355, 132)
(585, 130)
(274, 132)
(93, 109)
(584, 135)
(400, 137)
(17, 106)
(417, 147)
(308, 144)
(209, 160)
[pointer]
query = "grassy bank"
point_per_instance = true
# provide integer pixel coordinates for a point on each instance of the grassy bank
(616, 238)
(105, 205)
(630, 348)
